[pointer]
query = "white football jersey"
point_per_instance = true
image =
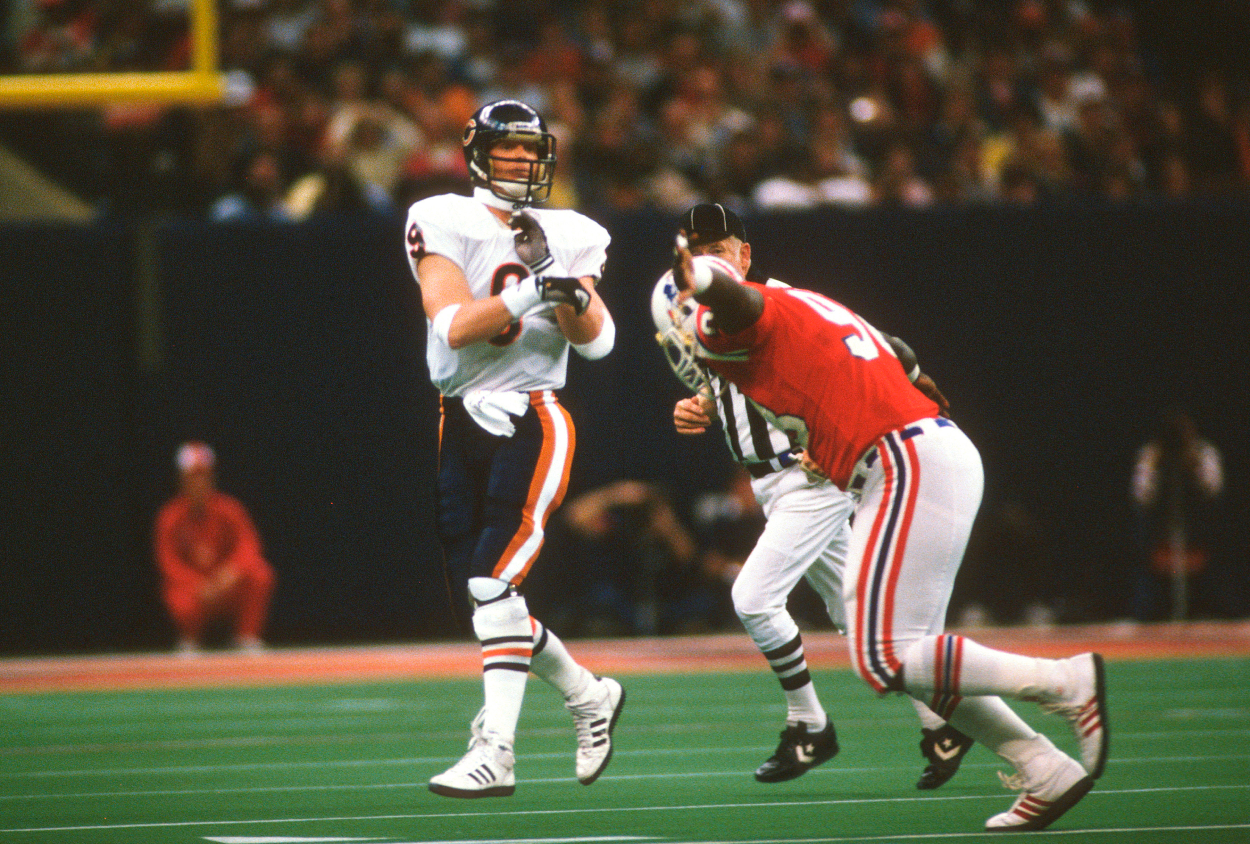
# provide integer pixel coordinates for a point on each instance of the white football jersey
(532, 353)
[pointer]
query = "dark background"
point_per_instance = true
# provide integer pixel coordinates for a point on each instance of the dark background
(1060, 336)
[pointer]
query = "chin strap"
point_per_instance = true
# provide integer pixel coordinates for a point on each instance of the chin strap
(487, 197)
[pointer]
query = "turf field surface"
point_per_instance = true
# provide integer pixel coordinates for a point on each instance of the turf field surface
(148, 748)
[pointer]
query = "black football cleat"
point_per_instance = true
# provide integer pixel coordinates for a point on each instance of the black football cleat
(798, 752)
(944, 748)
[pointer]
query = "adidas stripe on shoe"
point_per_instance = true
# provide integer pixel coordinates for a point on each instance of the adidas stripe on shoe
(1043, 799)
(594, 719)
(485, 771)
(1085, 707)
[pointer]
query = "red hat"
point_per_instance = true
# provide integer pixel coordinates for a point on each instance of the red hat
(196, 455)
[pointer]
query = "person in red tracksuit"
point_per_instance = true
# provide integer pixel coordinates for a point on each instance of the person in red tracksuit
(210, 557)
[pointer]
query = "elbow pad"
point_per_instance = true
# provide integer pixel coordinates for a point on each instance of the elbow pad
(602, 344)
(441, 324)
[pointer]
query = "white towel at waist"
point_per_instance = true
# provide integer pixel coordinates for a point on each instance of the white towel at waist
(493, 411)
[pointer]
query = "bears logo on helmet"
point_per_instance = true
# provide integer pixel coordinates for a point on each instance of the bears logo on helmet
(504, 120)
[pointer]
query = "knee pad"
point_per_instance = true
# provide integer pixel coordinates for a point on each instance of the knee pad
(506, 618)
(483, 590)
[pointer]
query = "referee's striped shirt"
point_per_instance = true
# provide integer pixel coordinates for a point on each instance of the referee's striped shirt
(752, 440)
(750, 437)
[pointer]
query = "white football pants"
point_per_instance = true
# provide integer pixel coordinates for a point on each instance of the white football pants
(807, 535)
(922, 487)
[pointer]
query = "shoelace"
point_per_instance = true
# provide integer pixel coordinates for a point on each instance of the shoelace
(1015, 782)
(1065, 709)
(475, 728)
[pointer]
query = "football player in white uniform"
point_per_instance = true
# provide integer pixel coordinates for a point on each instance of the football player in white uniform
(807, 533)
(507, 289)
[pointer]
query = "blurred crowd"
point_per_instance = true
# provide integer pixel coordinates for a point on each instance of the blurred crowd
(761, 104)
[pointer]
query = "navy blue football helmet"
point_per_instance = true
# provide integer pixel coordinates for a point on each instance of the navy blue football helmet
(505, 119)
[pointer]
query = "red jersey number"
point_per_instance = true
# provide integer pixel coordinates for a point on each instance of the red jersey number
(416, 242)
(505, 275)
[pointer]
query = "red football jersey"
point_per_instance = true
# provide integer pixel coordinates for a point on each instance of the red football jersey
(192, 546)
(817, 366)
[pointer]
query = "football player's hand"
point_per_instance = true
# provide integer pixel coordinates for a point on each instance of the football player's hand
(683, 263)
(530, 241)
(693, 415)
(564, 291)
(926, 385)
(814, 472)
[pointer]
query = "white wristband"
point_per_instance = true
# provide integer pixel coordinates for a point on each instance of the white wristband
(521, 296)
(602, 344)
(441, 324)
(701, 279)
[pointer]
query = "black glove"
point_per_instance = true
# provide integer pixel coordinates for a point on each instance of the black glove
(531, 241)
(564, 291)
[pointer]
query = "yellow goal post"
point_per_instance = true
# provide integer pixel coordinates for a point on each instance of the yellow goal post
(202, 84)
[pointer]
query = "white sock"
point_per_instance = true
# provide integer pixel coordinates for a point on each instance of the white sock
(928, 718)
(553, 663)
(948, 667)
(994, 724)
(503, 691)
(503, 628)
(803, 707)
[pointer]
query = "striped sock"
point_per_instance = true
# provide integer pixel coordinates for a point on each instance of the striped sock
(553, 663)
(941, 669)
(789, 663)
(503, 627)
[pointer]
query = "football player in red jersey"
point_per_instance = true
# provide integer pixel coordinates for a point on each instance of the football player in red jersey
(821, 372)
(806, 535)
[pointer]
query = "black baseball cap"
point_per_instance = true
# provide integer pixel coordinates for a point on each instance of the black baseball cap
(709, 222)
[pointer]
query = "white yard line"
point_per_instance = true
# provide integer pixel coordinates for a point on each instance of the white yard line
(701, 807)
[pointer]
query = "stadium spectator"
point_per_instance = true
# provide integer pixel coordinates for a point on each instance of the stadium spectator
(1212, 143)
(257, 194)
(210, 557)
(897, 72)
(1178, 479)
(637, 560)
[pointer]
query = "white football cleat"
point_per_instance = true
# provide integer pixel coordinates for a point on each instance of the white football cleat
(594, 717)
(1084, 704)
(1050, 789)
(485, 771)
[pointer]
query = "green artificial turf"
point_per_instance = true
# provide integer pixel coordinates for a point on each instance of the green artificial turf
(350, 762)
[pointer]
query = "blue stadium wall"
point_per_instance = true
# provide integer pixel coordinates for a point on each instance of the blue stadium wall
(1059, 335)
